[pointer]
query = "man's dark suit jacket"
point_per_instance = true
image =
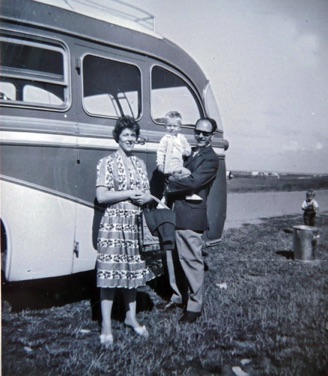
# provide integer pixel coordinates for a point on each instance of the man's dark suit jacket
(192, 215)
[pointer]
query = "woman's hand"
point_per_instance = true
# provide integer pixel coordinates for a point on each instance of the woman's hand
(140, 198)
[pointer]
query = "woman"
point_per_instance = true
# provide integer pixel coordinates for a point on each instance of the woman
(123, 185)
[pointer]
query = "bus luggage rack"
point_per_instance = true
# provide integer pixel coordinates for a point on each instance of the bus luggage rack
(116, 8)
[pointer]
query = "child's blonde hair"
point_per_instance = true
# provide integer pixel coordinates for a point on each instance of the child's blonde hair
(174, 115)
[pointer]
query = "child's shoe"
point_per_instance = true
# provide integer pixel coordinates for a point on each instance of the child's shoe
(193, 197)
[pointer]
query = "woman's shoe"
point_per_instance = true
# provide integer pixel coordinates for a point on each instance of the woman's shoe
(140, 330)
(106, 340)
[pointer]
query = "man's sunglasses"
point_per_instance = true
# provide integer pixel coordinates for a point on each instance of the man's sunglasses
(205, 134)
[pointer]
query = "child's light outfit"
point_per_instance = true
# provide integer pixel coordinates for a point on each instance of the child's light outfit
(170, 153)
(310, 207)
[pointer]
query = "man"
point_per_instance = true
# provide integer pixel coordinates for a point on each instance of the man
(191, 222)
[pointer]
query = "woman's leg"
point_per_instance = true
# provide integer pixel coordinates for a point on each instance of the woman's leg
(130, 301)
(106, 298)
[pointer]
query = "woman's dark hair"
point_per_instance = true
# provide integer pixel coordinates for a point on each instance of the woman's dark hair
(123, 123)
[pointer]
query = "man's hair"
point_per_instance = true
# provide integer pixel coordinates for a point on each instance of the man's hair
(173, 115)
(210, 120)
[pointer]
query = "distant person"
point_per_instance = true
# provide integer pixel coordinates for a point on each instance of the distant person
(186, 276)
(173, 148)
(122, 184)
(229, 175)
(310, 208)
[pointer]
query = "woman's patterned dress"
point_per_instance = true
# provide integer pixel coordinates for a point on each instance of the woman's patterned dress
(119, 262)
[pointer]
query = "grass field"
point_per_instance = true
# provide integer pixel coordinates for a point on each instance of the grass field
(244, 182)
(264, 314)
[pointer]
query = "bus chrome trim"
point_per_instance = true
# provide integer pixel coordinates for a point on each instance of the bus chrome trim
(39, 139)
(44, 139)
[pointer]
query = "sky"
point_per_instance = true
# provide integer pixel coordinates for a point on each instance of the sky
(267, 61)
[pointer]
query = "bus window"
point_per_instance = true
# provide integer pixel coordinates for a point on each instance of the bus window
(111, 88)
(211, 105)
(32, 73)
(38, 95)
(7, 91)
(169, 92)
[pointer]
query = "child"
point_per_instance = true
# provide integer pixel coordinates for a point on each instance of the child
(173, 146)
(310, 206)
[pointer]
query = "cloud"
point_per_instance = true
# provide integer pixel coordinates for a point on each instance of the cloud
(318, 145)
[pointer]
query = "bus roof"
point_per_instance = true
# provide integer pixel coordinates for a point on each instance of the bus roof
(113, 11)
(49, 17)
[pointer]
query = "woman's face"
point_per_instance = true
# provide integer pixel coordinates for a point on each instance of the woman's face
(127, 140)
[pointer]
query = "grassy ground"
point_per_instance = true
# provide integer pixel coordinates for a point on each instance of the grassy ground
(264, 313)
(243, 182)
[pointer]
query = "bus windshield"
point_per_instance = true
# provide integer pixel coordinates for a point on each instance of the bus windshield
(211, 106)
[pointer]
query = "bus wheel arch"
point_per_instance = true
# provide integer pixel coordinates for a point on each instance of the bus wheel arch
(4, 247)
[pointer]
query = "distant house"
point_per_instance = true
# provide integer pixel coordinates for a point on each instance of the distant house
(261, 173)
(275, 174)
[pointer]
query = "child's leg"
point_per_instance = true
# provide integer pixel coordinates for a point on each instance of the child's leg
(164, 199)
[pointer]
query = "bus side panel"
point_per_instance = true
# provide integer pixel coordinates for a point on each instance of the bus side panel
(89, 212)
(38, 208)
(39, 228)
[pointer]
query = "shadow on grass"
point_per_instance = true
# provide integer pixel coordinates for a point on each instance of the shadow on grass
(289, 255)
(51, 292)
(57, 292)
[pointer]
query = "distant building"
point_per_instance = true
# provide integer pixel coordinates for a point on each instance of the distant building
(260, 173)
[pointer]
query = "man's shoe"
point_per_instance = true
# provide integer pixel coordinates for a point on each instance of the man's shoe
(189, 317)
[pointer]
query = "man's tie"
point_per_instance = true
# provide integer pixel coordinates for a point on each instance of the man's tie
(195, 151)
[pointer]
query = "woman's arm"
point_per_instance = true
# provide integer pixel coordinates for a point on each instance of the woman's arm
(105, 196)
(137, 197)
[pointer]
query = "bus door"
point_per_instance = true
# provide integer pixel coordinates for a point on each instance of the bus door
(111, 86)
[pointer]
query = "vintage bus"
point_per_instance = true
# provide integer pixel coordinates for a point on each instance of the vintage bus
(65, 79)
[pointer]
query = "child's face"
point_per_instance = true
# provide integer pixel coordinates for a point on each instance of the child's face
(309, 197)
(172, 126)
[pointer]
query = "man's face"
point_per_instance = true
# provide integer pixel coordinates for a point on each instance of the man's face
(203, 133)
